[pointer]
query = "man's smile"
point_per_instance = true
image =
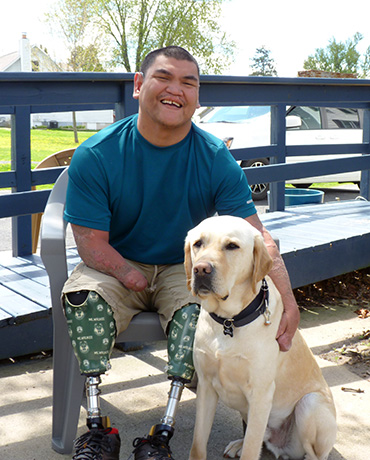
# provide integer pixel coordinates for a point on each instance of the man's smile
(169, 102)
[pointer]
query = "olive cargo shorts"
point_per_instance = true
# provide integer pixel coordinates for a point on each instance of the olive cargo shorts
(166, 291)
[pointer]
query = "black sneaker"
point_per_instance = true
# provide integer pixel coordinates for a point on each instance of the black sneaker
(152, 448)
(98, 445)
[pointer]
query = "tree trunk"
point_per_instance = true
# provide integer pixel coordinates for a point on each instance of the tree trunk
(75, 126)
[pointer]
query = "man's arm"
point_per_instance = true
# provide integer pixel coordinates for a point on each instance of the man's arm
(279, 275)
(95, 250)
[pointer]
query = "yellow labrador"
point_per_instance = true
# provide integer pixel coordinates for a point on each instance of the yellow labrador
(282, 396)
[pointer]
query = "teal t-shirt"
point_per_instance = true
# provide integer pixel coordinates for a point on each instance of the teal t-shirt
(148, 197)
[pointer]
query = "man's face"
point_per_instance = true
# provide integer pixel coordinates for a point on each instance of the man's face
(168, 93)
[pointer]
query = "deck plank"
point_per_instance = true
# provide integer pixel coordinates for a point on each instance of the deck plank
(25, 286)
(16, 307)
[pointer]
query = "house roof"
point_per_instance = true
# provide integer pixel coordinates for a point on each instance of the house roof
(7, 60)
(37, 53)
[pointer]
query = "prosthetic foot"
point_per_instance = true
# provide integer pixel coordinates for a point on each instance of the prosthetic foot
(180, 371)
(92, 329)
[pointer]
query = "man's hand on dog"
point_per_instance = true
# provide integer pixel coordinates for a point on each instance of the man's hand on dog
(288, 326)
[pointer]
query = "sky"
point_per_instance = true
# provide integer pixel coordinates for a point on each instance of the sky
(291, 30)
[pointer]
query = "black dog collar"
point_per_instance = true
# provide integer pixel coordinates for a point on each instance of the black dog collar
(257, 307)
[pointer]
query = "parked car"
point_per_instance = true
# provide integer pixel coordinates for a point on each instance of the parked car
(249, 126)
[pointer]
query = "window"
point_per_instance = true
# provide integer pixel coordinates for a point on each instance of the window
(342, 118)
(234, 114)
(310, 116)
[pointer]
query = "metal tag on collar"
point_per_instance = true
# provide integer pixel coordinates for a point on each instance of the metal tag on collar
(267, 315)
(229, 327)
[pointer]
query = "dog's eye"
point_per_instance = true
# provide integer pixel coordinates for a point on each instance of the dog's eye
(232, 246)
(198, 244)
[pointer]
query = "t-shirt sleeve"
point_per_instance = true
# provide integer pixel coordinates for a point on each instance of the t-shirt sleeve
(232, 193)
(87, 201)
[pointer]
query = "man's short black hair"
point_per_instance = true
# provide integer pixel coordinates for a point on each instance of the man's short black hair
(175, 52)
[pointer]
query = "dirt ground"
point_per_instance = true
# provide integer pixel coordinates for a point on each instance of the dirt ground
(349, 289)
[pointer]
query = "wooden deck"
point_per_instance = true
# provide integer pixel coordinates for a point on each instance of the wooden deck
(25, 305)
(321, 241)
(317, 242)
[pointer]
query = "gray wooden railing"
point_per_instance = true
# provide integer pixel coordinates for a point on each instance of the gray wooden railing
(22, 94)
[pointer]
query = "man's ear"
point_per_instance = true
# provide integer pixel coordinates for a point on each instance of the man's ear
(138, 81)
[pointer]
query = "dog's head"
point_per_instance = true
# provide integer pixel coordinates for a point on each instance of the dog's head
(224, 256)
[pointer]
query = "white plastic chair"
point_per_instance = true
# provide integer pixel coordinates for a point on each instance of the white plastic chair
(68, 383)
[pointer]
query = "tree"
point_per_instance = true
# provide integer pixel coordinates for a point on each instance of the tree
(263, 64)
(139, 26)
(73, 19)
(85, 59)
(340, 57)
(365, 65)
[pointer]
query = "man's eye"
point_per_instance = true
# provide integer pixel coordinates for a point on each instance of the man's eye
(232, 246)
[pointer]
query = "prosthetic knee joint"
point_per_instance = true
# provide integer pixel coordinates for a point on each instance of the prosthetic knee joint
(92, 330)
(180, 367)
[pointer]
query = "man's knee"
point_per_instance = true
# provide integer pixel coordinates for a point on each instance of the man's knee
(180, 342)
(92, 330)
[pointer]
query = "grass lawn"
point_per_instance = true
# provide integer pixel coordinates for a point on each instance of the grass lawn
(44, 142)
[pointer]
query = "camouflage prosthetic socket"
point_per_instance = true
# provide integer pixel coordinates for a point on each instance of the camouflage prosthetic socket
(92, 330)
(180, 342)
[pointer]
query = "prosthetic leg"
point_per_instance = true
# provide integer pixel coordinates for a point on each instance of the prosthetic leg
(92, 330)
(180, 371)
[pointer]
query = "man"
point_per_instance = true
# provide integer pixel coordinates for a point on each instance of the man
(135, 189)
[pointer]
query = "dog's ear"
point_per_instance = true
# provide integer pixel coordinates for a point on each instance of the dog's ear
(262, 261)
(188, 264)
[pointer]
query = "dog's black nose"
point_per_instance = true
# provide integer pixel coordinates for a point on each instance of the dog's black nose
(203, 269)
(203, 278)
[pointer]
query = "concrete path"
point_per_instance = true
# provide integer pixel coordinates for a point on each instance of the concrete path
(134, 394)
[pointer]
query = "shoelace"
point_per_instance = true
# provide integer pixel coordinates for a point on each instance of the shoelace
(162, 449)
(89, 446)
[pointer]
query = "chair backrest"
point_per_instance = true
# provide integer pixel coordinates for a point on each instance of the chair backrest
(53, 231)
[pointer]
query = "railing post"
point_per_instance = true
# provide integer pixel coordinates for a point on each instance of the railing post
(21, 164)
(278, 137)
(128, 105)
(365, 175)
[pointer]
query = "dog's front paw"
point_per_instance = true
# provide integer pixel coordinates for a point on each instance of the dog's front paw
(234, 449)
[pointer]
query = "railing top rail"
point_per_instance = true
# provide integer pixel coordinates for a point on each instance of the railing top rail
(209, 79)
(41, 89)
(65, 76)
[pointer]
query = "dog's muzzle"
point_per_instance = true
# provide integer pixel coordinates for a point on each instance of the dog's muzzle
(203, 276)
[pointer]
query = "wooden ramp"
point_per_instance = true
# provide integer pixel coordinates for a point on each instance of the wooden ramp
(317, 242)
